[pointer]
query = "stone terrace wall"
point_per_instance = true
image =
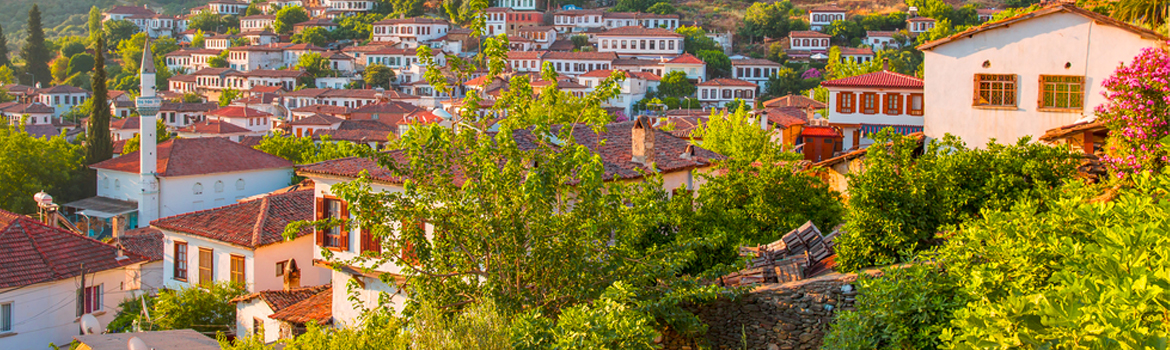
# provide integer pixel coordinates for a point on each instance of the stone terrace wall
(790, 316)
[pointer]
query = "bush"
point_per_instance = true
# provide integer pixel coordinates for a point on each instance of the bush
(81, 63)
(901, 200)
(905, 308)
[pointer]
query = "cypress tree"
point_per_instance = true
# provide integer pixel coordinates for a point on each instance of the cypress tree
(98, 146)
(4, 50)
(36, 55)
(95, 24)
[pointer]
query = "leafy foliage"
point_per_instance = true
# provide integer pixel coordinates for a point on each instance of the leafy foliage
(226, 96)
(34, 164)
(313, 35)
(636, 5)
(303, 150)
(35, 53)
(695, 40)
(902, 199)
(117, 31)
(210, 22)
(207, 308)
(718, 64)
(81, 63)
(772, 20)
(378, 75)
(675, 84)
(905, 308)
(316, 65)
(99, 146)
(287, 17)
(160, 132)
(738, 135)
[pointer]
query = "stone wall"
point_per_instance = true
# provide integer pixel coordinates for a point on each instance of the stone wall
(790, 316)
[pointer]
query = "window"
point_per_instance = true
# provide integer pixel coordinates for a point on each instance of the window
(237, 269)
(6, 317)
(206, 266)
(1062, 92)
(181, 261)
(239, 184)
(197, 189)
(280, 266)
(336, 236)
(893, 105)
(257, 325)
(915, 103)
(846, 102)
(218, 186)
(869, 103)
(995, 90)
(89, 300)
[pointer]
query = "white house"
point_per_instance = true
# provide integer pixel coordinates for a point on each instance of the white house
(257, 23)
(246, 58)
(256, 311)
(879, 40)
(51, 277)
(576, 63)
(822, 16)
(645, 20)
(695, 68)
(809, 41)
(919, 25)
(718, 92)
(293, 53)
(646, 144)
(754, 70)
(1022, 76)
(635, 41)
(578, 20)
(496, 19)
(34, 113)
(516, 4)
(223, 7)
(409, 32)
(62, 98)
(856, 54)
(244, 117)
(633, 88)
(180, 114)
(241, 243)
(865, 104)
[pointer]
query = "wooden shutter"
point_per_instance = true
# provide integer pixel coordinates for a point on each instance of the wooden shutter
(344, 231)
(320, 216)
(369, 242)
(840, 96)
(975, 91)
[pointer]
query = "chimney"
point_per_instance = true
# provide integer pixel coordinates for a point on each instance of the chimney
(764, 120)
(689, 152)
(642, 141)
(885, 63)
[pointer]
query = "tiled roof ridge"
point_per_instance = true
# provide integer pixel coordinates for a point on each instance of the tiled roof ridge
(36, 247)
(258, 228)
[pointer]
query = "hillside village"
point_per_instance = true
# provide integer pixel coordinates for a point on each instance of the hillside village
(602, 175)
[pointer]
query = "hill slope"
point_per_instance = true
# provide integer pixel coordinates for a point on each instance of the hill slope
(68, 17)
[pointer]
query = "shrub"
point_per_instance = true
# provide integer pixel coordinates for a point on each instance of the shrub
(1137, 109)
(905, 308)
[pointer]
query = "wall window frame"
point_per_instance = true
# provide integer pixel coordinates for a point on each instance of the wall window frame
(179, 268)
(869, 103)
(996, 91)
(1061, 93)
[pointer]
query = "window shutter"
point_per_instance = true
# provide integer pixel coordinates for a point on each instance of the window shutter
(975, 90)
(320, 216)
(344, 230)
(1040, 93)
(901, 104)
(840, 96)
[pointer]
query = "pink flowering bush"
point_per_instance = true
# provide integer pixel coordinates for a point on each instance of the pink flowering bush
(1137, 114)
(811, 73)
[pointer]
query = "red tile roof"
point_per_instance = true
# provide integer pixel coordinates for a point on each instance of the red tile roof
(827, 8)
(128, 123)
(885, 79)
(871, 34)
(303, 47)
(238, 112)
(856, 51)
(794, 101)
(686, 58)
(146, 241)
(190, 107)
(35, 253)
(31, 108)
(317, 308)
(317, 119)
(1054, 8)
(197, 156)
(593, 55)
(787, 116)
(413, 20)
(754, 62)
(280, 299)
(808, 34)
(252, 224)
(214, 127)
(726, 82)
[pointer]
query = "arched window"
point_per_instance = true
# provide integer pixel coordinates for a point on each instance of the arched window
(105, 182)
(197, 189)
(218, 186)
(240, 185)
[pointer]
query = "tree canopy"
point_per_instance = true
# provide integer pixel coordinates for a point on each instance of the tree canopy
(287, 17)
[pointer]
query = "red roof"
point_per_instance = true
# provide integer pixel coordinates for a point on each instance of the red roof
(787, 116)
(794, 101)
(198, 156)
(639, 31)
(146, 241)
(36, 253)
(686, 58)
(827, 8)
(238, 112)
(252, 224)
(885, 79)
(279, 299)
(856, 51)
(213, 127)
(128, 123)
(317, 308)
(562, 55)
(726, 82)
(808, 34)
(317, 119)
(820, 131)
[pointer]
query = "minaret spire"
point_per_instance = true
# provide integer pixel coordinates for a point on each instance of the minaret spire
(148, 104)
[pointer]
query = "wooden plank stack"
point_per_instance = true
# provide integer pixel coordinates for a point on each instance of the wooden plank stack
(785, 260)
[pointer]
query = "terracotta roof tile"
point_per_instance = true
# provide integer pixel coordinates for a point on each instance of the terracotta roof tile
(885, 79)
(1056, 7)
(808, 34)
(787, 116)
(280, 299)
(128, 123)
(195, 156)
(794, 101)
(640, 31)
(238, 112)
(754, 62)
(317, 119)
(827, 8)
(598, 56)
(213, 127)
(35, 253)
(820, 131)
(252, 224)
(317, 308)
(856, 51)
(686, 58)
(146, 241)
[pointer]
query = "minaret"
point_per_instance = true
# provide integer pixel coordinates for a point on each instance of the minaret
(148, 105)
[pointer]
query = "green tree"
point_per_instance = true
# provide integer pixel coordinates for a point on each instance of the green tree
(355, 27)
(6, 75)
(316, 65)
(35, 164)
(718, 64)
(946, 185)
(378, 75)
(208, 22)
(253, 10)
(287, 17)
(207, 308)
(772, 20)
(99, 147)
(228, 95)
(161, 134)
(662, 8)
(197, 39)
(635, 5)
(675, 84)
(34, 52)
(95, 24)
(81, 63)
(313, 35)
(72, 48)
(738, 135)
(219, 61)
(695, 40)
(118, 31)
(406, 8)
(304, 150)
(905, 308)
(59, 70)
(4, 62)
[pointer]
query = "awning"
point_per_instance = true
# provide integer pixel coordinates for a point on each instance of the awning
(102, 207)
(901, 129)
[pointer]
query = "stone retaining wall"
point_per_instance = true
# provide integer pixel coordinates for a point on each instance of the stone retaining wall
(790, 316)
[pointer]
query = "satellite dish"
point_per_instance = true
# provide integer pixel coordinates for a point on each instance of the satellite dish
(136, 344)
(90, 324)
